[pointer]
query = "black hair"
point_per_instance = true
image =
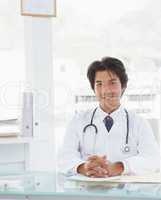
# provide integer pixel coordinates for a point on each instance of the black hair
(114, 65)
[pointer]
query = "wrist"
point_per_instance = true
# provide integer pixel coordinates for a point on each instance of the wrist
(81, 169)
(119, 167)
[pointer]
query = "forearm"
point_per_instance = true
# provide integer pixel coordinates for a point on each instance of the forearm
(141, 164)
(68, 163)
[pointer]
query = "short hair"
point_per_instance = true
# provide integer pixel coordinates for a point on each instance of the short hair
(114, 65)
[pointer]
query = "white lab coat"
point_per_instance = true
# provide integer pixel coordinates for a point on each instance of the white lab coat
(144, 155)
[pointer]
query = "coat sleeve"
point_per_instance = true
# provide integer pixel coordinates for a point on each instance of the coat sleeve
(148, 157)
(69, 156)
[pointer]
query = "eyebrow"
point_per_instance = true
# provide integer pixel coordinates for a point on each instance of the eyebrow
(98, 81)
(113, 79)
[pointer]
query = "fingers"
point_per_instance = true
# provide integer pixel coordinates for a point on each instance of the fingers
(96, 157)
(93, 169)
(97, 172)
(91, 165)
(97, 166)
(98, 161)
(93, 157)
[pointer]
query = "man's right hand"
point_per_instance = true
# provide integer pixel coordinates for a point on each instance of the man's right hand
(94, 167)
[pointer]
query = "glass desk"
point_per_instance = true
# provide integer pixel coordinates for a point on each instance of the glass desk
(47, 185)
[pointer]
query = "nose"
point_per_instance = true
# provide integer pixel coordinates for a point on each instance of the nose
(106, 89)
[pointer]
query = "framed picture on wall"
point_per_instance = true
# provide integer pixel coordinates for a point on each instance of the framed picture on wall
(40, 8)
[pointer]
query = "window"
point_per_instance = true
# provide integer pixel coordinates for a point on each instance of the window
(12, 67)
(129, 31)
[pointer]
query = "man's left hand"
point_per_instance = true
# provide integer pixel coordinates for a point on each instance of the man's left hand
(113, 169)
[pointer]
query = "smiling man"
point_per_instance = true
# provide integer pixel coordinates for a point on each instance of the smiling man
(109, 140)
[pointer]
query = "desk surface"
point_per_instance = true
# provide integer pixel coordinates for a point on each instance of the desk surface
(48, 184)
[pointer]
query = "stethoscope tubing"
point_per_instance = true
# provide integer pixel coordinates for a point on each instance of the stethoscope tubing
(126, 148)
(91, 123)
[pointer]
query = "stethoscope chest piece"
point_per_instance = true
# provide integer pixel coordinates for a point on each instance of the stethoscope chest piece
(126, 149)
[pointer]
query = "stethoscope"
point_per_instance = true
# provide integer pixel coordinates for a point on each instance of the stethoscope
(126, 148)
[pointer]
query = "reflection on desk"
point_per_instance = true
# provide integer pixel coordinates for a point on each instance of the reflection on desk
(51, 186)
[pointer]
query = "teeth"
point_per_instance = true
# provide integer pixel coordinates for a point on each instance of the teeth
(107, 97)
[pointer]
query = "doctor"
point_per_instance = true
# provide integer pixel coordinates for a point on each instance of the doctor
(108, 140)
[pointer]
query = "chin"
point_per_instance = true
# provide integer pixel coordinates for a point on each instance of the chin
(111, 103)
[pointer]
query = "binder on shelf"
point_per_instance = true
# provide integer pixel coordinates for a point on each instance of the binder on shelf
(9, 127)
(8, 121)
(27, 115)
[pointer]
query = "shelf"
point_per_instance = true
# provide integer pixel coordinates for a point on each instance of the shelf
(19, 140)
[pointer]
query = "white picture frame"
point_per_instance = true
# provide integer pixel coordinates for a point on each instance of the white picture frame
(39, 8)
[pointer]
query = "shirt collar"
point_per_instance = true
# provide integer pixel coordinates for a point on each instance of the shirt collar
(102, 114)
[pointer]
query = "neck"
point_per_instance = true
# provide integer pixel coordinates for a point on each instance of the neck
(109, 109)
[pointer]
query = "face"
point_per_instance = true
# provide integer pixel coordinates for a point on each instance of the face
(108, 90)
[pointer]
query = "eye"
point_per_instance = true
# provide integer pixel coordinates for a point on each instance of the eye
(98, 84)
(114, 82)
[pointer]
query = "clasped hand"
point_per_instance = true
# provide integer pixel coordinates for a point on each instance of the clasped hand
(100, 167)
